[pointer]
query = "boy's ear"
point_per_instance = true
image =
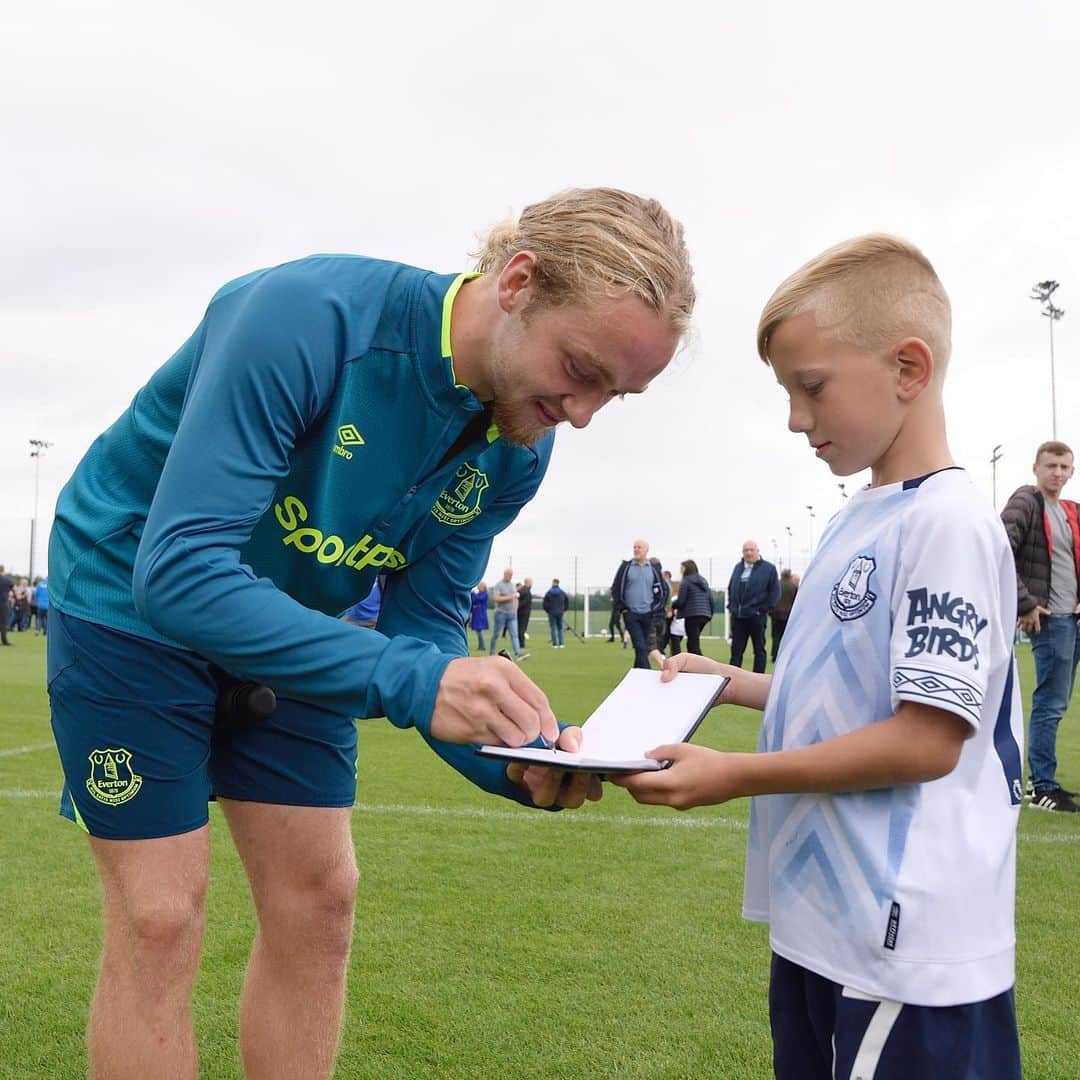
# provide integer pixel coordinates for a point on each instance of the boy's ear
(914, 367)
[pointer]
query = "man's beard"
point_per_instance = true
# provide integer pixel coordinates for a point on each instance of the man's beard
(515, 418)
(516, 422)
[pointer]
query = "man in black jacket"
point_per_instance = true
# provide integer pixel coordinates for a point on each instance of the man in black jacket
(555, 604)
(524, 611)
(753, 592)
(639, 592)
(1044, 531)
(6, 585)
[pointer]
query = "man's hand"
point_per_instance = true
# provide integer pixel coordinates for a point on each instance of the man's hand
(697, 776)
(1031, 623)
(488, 699)
(557, 787)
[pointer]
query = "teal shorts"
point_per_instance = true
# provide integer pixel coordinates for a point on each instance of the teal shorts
(141, 752)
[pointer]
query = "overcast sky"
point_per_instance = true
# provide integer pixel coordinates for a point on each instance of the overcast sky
(152, 151)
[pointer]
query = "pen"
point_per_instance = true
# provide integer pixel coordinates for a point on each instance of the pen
(548, 743)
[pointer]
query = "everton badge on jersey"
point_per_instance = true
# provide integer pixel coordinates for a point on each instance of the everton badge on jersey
(851, 595)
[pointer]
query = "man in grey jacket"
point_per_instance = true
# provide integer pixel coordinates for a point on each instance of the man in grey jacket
(1044, 531)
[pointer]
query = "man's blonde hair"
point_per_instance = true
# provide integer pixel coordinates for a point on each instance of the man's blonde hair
(590, 240)
(870, 291)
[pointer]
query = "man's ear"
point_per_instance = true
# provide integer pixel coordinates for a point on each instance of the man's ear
(516, 280)
(914, 367)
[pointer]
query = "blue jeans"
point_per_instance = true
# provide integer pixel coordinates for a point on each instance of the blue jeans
(555, 627)
(506, 619)
(640, 626)
(1056, 649)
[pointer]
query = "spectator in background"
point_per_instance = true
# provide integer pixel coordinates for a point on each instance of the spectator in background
(6, 587)
(555, 604)
(789, 586)
(676, 627)
(366, 612)
(668, 612)
(506, 599)
(1044, 533)
(478, 620)
(640, 593)
(615, 627)
(658, 630)
(694, 603)
(22, 605)
(754, 590)
(524, 611)
(676, 633)
(41, 598)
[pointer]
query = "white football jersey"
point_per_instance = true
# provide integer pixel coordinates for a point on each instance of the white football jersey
(908, 892)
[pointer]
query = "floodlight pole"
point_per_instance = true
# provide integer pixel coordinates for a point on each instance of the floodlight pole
(810, 511)
(787, 529)
(575, 592)
(37, 448)
(1042, 291)
(995, 457)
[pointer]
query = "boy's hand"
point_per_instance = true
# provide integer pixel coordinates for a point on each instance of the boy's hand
(488, 699)
(697, 776)
(745, 688)
(557, 787)
(1031, 623)
(685, 661)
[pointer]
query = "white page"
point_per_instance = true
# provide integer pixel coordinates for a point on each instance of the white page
(639, 714)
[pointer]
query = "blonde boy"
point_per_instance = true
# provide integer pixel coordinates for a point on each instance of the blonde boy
(887, 779)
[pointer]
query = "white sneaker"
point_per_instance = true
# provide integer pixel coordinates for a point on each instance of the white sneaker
(521, 656)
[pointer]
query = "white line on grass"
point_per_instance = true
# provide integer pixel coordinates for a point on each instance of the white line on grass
(569, 818)
(26, 749)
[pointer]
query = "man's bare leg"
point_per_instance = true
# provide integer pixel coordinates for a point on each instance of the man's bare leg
(302, 868)
(154, 912)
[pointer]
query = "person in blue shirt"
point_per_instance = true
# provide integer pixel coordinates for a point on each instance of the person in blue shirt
(41, 602)
(478, 618)
(366, 612)
(330, 420)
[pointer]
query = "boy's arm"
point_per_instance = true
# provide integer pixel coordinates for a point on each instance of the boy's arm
(916, 744)
(746, 688)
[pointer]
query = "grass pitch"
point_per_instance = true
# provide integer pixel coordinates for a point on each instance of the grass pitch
(491, 941)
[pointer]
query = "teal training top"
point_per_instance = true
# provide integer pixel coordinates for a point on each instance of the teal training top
(309, 436)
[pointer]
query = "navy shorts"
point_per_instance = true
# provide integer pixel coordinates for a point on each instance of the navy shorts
(142, 755)
(822, 1030)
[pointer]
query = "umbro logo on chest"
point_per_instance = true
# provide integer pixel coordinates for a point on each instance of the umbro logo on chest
(348, 435)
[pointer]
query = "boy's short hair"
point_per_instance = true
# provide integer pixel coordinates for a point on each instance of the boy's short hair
(590, 240)
(869, 291)
(1051, 446)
